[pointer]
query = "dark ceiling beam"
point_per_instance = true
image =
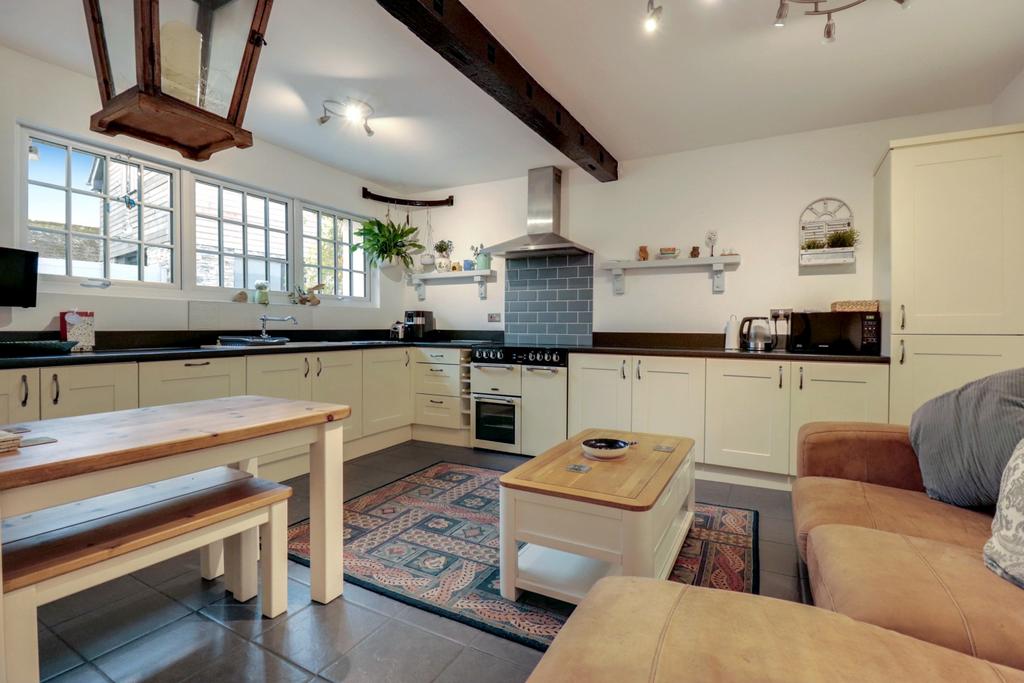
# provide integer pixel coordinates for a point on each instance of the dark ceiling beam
(452, 31)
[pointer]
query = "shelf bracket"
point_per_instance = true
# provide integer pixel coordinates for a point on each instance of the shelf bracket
(481, 283)
(421, 289)
(718, 278)
(618, 281)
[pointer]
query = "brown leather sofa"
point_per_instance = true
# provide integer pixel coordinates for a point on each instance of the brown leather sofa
(900, 589)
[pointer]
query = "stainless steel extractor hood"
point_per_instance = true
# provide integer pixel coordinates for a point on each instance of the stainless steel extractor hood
(543, 221)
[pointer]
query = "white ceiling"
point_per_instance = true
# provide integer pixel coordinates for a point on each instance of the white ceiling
(717, 72)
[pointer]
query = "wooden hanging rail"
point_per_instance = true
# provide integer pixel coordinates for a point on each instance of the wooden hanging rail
(449, 201)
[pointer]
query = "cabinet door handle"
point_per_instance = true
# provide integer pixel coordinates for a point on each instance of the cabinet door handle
(801, 378)
(903, 352)
(24, 390)
(55, 389)
(319, 366)
(903, 317)
(406, 359)
(197, 365)
(306, 361)
(623, 369)
(780, 377)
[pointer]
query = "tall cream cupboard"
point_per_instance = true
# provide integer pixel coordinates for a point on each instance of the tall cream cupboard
(950, 236)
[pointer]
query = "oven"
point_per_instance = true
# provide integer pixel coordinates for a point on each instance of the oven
(497, 423)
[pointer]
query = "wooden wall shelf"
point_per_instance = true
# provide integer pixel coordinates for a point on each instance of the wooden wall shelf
(419, 280)
(716, 263)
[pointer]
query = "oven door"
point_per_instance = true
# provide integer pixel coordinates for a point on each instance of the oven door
(496, 423)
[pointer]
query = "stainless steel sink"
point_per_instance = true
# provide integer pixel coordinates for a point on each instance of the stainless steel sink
(252, 341)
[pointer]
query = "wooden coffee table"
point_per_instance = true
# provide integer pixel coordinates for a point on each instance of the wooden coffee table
(583, 519)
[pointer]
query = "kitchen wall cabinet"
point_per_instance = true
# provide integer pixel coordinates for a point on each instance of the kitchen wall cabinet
(748, 415)
(330, 377)
(387, 389)
(600, 392)
(668, 398)
(957, 231)
(545, 412)
(19, 396)
(928, 365)
(848, 392)
(177, 381)
(86, 389)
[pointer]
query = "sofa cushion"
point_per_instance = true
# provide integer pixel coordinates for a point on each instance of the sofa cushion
(634, 630)
(823, 500)
(1004, 553)
(964, 438)
(937, 592)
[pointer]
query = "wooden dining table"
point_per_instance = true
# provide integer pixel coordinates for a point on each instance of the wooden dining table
(93, 455)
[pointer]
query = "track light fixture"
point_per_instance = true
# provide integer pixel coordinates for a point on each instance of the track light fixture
(652, 17)
(354, 112)
(823, 8)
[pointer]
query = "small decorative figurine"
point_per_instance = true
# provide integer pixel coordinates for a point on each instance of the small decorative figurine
(695, 252)
(241, 297)
(643, 253)
(711, 239)
(262, 292)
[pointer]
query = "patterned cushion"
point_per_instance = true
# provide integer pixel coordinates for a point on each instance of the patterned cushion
(1004, 553)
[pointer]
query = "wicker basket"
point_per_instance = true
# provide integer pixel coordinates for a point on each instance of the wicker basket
(867, 306)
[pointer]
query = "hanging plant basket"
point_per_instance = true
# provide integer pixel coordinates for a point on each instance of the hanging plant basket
(827, 257)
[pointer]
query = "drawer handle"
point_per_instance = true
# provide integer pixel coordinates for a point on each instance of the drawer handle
(437, 355)
(55, 389)
(436, 369)
(24, 390)
(903, 352)
(440, 403)
(780, 377)
(197, 365)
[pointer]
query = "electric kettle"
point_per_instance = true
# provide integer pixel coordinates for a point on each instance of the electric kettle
(756, 335)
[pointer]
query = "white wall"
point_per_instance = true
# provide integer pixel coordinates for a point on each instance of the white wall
(40, 95)
(752, 193)
(1009, 106)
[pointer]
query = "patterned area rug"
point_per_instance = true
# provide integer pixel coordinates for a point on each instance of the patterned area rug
(430, 539)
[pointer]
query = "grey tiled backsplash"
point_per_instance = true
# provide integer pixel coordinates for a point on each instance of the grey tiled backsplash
(549, 300)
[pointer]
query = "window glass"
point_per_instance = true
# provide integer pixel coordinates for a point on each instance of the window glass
(327, 256)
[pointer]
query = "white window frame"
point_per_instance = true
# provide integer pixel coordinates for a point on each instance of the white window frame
(55, 282)
(369, 273)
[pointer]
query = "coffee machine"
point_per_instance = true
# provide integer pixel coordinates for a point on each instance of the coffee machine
(418, 324)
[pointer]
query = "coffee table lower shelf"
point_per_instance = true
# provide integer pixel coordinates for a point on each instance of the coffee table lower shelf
(560, 575)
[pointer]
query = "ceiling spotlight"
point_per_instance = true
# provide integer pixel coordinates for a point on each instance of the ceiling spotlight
(354, 112)
(652, 17)
(830, 30)
(780, 16)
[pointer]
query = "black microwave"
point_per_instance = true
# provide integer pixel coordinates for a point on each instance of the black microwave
(837, 333)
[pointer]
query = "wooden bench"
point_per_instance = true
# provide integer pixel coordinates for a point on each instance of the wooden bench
(58, 551)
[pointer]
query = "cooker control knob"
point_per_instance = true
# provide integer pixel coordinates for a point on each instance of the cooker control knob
(501, 355)
(547, 357)
(532, 356)
(555, 357)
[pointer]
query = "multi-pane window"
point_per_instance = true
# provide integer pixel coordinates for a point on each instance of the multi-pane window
(93, 214)
(241, 238)
(327, 256)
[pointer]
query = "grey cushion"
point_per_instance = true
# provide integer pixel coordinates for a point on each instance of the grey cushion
(1004, 553)
(964, 438)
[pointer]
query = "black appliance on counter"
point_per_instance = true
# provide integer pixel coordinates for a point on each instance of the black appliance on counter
(839, 333)
(418, 324)
(19, 274)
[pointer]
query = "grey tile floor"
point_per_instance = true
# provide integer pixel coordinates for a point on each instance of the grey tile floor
(166, 624)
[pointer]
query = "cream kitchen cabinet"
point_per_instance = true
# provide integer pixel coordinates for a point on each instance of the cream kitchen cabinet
(178, 381)
(86, 389)
(387, 389)
(956, 209)
(925, 366)
(330, 377)
(849, 392)
(748, 414)
(653, 394)
(600, 392)
(668, 398)
(544, 408)
(19, 395)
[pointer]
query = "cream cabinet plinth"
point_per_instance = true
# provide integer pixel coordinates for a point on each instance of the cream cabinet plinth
(178, 381)
(600, 392)
(928, 365)
(848, 392)
(19, 395)
(387, 389)
(86, 389)
(747, 418)
(957, 222)
(668, 398)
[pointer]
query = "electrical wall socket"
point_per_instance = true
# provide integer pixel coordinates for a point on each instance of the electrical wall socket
(782, 314)
(494, 317)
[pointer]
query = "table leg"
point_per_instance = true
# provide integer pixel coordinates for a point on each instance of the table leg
(326, 528)
(508, 553)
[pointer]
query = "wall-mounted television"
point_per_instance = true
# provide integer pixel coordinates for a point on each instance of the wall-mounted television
(19, 273)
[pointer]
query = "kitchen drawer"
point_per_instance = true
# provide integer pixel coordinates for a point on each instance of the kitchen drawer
(439, 411)
(432, 378)
(446, 356)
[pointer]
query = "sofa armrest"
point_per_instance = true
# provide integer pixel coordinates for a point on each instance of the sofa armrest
(861, 451)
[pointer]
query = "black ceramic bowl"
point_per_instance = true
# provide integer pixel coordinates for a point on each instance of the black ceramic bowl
(605, 448)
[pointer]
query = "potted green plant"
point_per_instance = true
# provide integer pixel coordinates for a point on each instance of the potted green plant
(386, 243)
(483, 261)
(836, 248)
(444, 252)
